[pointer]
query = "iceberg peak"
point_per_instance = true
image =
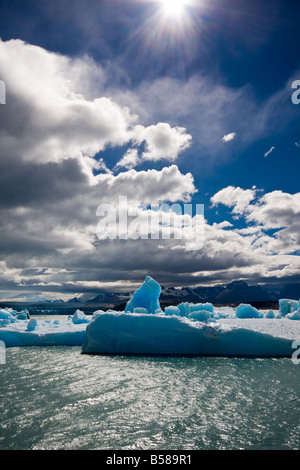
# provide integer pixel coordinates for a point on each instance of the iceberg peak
(146, 296)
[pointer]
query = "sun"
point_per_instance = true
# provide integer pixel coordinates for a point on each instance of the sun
(173, 8)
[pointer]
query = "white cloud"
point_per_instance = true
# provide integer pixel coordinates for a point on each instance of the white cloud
(162, 141)
(269, 151)
(235, 197)
(229, 137)
(222, 225)
(48, 118)
(129, 160)
(275, 210)
(207, 109)
(151, 186)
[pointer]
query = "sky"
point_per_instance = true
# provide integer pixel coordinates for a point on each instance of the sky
(166, 106)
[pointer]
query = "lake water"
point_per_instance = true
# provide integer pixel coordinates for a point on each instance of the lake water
(59, 398)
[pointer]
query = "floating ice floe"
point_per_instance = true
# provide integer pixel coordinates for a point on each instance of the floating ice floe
(80, 317)
(159, 334)
(270, 314)
(32, 324)
(6, 317)
(247, 311)
(288, 306)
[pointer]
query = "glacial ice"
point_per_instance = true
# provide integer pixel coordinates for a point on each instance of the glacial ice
(172, 310)
(247, 311)
(32, 324)
(200, 315)
(295, 315)
(119, 333)
(80, 317)
(146, 297)
(6, 317)
(287, 306)
(270, 314)
(145, 328)
(21, 316)
(200, 307)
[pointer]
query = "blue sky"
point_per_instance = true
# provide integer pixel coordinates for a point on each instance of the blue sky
(199, 103)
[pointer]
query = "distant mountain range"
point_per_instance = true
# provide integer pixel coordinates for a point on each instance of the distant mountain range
(234, 293)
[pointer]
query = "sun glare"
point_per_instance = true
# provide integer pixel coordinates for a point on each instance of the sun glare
(173, 7)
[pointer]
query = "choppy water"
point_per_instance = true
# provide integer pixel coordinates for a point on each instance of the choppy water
(58, 398)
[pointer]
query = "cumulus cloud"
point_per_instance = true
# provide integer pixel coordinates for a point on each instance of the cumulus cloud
(276, 211)
(234, 197)
(147, 187)
(279, 211)
(52, 116)
(52, 134)
(46, 118)
(200, 105)
(162, 141)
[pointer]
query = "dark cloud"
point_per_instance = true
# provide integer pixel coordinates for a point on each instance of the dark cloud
(29, 184)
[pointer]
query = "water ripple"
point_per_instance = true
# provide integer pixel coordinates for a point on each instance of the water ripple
(58, 398)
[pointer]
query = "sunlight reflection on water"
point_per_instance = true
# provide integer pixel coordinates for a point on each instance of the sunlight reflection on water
(58, 398)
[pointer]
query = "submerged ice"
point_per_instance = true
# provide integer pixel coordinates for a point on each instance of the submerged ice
(145, 328)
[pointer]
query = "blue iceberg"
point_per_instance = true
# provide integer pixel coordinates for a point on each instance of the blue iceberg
(247, 311)
(159, 334)
(288, 306)
(80, 317)
(146, 297)
(32, 324)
